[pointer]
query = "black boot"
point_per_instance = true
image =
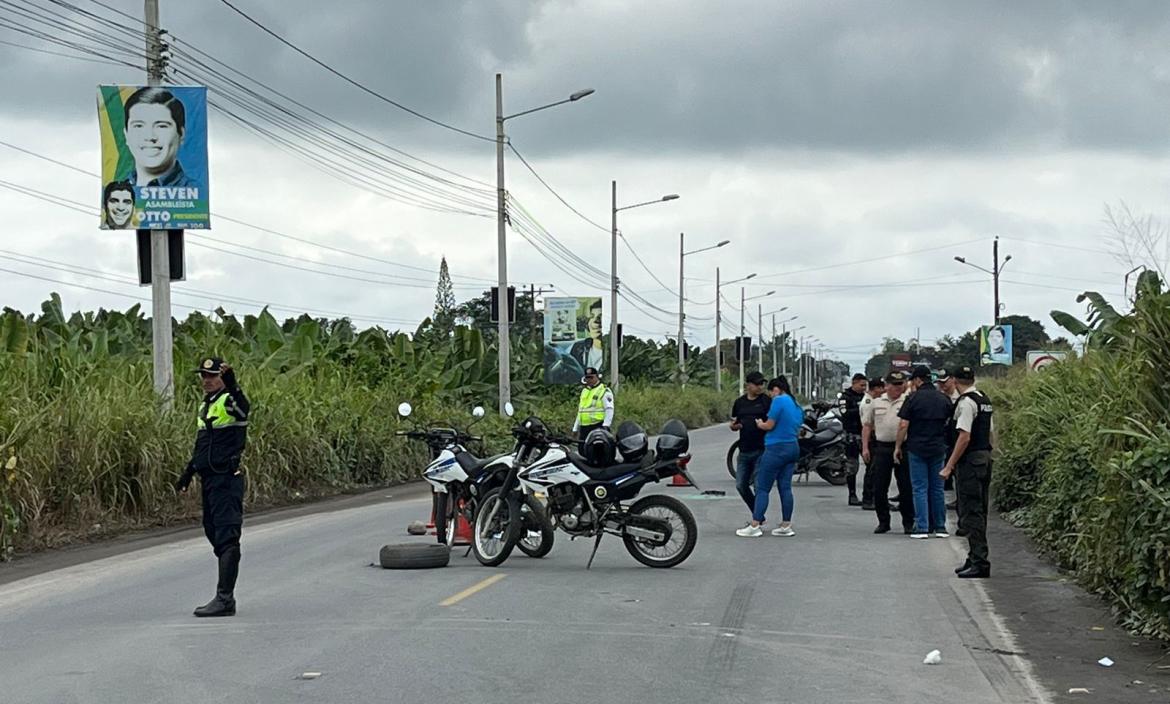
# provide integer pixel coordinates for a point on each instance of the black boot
(224, 603)
(852, 482)
(964, 567)
(882, 528)
(975, 572)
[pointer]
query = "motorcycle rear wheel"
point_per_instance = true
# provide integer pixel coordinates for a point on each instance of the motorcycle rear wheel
(496, 530)
(732, 458)
(684, 532)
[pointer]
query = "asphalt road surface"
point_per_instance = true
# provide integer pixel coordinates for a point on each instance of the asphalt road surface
(833, 615)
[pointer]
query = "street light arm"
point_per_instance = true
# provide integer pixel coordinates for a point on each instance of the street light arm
(704, 249)
(663, 199)
(571, 99)
(1004, 263)
(961, 260)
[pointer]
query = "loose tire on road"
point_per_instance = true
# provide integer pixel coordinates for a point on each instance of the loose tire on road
(414, 556)
(681, 519)
(535, 522)
(493, 541)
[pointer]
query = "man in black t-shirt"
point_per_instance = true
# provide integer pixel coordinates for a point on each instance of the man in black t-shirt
(747, 408)
(922, 436)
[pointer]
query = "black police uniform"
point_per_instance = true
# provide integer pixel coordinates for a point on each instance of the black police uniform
(219, 446)
(973, 484)
(850, 405)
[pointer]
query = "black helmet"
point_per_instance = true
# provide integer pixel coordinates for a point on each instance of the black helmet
(599, 448)
(674, 440)
(632, 441)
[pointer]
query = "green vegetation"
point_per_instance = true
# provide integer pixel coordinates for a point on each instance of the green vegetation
(85, 448)
(1085, 456)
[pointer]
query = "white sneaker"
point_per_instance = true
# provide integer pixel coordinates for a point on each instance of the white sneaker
(784, 532)
(919, 536)
(941, 533)
(749, 531)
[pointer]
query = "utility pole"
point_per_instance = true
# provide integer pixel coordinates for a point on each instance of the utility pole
(504, 343)
(742, 331)
(162, 335)
(718, 331)
(682, 360)
(784, 349)
(760, 334)
(995, 275)
(775, 369)
(613, 296)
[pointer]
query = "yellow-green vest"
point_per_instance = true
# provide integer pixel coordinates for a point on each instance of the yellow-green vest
(591, 409)
(214, 415)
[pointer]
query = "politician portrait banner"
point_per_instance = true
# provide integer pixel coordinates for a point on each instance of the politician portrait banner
(572, 338)
(154, 157)
(995, 344)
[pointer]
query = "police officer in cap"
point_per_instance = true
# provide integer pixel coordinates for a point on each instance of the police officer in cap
(849, 403)
(219, 444)
(595, 409)
(970, 462)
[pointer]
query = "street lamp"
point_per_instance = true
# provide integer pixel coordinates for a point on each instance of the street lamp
(681, 315)
(613, 280)
(718, 328)
(995, 270)
(504, 344)
(760, 320)
(743, 330)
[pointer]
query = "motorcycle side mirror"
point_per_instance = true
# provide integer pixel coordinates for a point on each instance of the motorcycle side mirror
(509, 409)
(404, 409)
(477, 412)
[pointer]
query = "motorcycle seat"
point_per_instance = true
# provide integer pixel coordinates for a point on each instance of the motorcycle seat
(474, 465)
(603, 474)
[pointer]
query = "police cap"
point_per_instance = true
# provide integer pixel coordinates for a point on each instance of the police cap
(210, 365)
(896, 377)
(964, 374)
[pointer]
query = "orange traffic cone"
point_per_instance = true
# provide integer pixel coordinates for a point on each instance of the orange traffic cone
(679, 480)
(462, 531)
(431, 523)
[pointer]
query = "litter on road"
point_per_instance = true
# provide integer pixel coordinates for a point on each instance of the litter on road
(934, 657)
(310, 675)
(1105, 662)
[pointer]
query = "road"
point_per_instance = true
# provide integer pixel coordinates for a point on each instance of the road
(834, 615)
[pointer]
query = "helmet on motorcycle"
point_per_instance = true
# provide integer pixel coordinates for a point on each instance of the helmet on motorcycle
(599, 449)
(632, 441)
(674, 440)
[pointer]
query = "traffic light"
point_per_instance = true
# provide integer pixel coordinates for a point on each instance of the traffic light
(495, 305)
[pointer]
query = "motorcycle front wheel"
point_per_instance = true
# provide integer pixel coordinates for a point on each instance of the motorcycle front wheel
(537, 537)
(496, 530)
(683, 533)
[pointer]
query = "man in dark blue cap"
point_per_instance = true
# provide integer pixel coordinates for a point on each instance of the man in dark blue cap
(219, 445)
(922, 439)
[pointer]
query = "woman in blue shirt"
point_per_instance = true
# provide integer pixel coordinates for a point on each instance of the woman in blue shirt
(781, 453)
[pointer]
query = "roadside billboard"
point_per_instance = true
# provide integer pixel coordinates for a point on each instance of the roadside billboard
(1039, 359)
(572, 338)
(995, 344)
(154, 157)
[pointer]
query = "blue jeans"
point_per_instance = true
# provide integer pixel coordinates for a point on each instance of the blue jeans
(776, 467)
(745, 476)
(930, 504)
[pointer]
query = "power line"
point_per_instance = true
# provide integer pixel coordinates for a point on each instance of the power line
(551, 190)
(107, 62)
(349, 80)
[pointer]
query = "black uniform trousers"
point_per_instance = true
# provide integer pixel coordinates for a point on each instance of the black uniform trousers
(582, 433)
(973, 485)
(223, 510)
(883, 466)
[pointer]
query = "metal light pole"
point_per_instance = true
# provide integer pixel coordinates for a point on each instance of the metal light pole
(784, 336)
(761, 321)
(719, 331)
(614, 376)
(505, 343)
(681, 314)
(743, 330)
(995, 271)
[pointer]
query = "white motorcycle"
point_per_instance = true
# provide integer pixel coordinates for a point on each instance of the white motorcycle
(458, 479)
(586, 499)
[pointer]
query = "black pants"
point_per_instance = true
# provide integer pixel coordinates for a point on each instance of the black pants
(973, 484)
(883, 467)
(223, 511)
(582, 433)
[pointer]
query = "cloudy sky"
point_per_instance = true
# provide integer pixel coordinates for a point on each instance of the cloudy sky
(849, 150)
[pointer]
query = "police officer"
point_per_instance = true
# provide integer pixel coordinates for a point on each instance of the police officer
(879, 433)
(877, 387)
(850, 404)
(219, 444)
(970, 462)
(595, 409)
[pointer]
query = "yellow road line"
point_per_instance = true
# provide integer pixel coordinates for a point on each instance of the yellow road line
(472, 590)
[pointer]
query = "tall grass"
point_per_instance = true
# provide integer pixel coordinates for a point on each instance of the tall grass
(86, 448)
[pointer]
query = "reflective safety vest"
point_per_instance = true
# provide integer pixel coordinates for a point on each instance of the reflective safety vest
(214, 415)
(591, 409)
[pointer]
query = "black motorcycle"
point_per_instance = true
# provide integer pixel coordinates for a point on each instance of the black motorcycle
(822, 447)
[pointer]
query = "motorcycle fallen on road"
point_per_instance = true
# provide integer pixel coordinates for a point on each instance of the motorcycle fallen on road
(458, 479)
(587, 499)
(822, 447)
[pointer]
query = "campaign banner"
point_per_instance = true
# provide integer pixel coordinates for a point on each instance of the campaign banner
(154, 157)
(995, 344)
(572, 338)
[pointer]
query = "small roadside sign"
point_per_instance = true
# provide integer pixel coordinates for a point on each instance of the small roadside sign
(1038, 359)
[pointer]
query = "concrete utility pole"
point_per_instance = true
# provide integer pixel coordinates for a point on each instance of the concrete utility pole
(718, 335)
(995, 270)
(682, 358)
(505, 314)
(760, 335)
(162, 334)
(504, 343)
(742, 331)
(775, 367)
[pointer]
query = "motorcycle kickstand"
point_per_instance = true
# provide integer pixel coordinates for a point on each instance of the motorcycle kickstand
(596, 543)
